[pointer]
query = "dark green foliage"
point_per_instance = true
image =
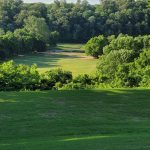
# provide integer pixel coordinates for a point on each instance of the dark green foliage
(23, 77)
(121, 42)
(126, 77)
(37, 28)
(45, 25)
(25, 41)
(8, 44)
(101, 45)
(79, 82)
(19, 42)
(108, 63)
(119, 72)
(9, 10)
(55, 79)
(128, 42)
(125, 61)
(35, 36)
(53, 38)
(94, 46)
(80, 21)
(2, 55)
(18, 77)
(83, 79)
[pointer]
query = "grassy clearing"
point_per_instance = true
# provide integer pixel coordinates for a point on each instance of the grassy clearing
(77, 63)
(68, 46)
(71, 120)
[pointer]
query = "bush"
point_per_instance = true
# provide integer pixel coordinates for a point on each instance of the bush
(80, 82)
(121, 42)
(18, 77)
(83, 79)
(77, 86)
(120, 69)
(73, 86)
(23, 77)
(108, 64)
(51, 78)
(94, 46)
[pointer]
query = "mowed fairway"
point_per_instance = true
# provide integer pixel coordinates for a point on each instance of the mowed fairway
(75, 120)
(65, 58)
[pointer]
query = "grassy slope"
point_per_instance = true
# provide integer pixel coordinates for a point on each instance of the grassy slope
(75, 62)
(75, 120)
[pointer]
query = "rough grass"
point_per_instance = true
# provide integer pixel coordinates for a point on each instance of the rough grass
(75, 120)
(76, 62)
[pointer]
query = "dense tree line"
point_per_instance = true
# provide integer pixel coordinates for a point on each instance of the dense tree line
(37, 26)
(22, 30)
(35, 36)
(80, 21)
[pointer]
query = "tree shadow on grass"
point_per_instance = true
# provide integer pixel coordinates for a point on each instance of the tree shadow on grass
(96, 95)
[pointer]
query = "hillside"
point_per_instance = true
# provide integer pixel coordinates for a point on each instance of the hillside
(87, 120)
(69, 57)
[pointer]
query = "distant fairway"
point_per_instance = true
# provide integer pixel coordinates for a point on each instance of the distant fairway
(64, 58)
(75, 120)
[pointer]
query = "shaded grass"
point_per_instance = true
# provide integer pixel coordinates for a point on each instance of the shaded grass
(71, 120)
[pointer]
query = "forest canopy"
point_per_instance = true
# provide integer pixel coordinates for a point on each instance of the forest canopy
(80, 21)
(42, 25)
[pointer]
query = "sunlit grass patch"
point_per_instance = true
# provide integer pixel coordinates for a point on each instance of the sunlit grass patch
(7, 101)
(77, 63)
(87, 138)
(68, 46)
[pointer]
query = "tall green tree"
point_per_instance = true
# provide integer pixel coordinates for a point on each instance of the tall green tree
(9, 9)
(38, 28)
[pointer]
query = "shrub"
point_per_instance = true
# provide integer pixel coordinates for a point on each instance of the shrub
(83, 79)
(73, 86)
(121, 42)
(55, 76)
(108, 63)
(23, 77)
(94, 46)
(18, 77)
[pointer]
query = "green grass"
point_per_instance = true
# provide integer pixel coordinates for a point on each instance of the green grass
(77, 63)
(75, 120)
(68, 46)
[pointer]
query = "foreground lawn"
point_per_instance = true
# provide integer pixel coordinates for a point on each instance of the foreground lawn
(76, 62)
(75, 120)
